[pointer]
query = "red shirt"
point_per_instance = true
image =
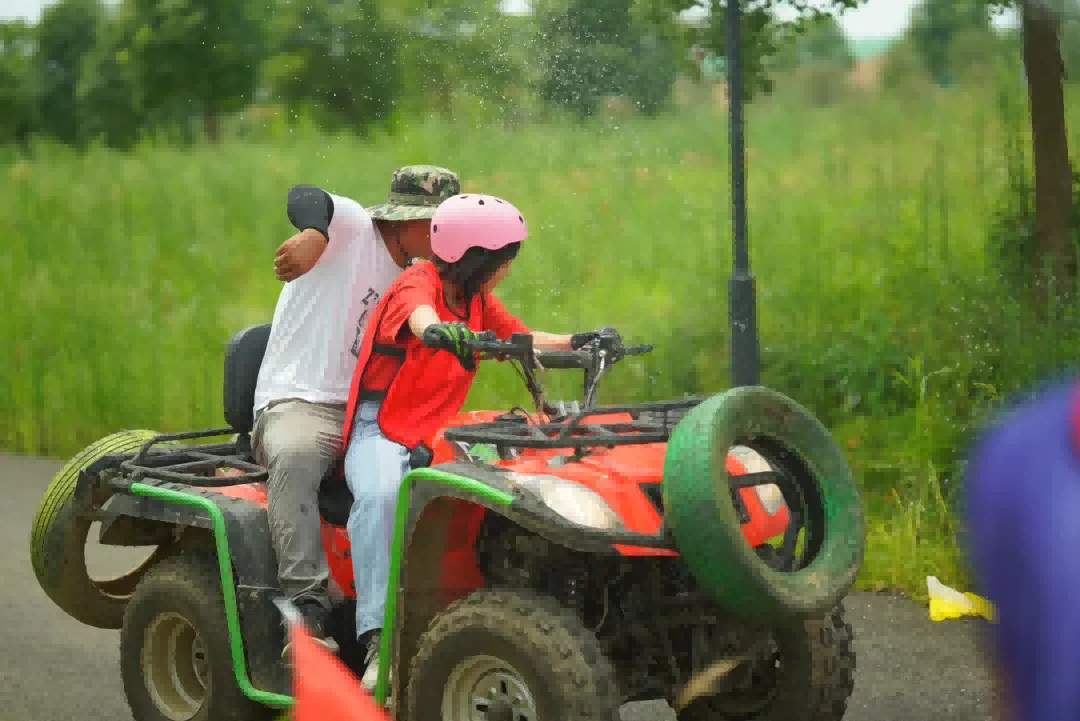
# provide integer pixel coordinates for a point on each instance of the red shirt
(427, 387)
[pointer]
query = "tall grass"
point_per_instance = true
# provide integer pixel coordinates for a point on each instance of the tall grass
(878, 310)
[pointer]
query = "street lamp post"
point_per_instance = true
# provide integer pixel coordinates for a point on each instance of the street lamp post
(742, 303)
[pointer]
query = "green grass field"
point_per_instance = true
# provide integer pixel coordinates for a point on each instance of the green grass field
(126, 275)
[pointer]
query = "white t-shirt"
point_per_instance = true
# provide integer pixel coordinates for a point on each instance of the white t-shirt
(319, 320)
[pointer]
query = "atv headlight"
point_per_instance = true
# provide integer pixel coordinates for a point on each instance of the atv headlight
(572, 501)
(771, 497)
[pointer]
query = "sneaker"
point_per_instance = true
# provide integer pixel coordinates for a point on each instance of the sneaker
(314, 615)
(371, 659)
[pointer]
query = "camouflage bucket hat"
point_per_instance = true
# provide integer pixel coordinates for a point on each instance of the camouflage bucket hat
(415, 192)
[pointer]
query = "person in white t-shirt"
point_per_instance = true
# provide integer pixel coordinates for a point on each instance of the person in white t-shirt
(336, 269)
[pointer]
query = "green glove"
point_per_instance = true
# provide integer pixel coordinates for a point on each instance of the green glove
(454, 338)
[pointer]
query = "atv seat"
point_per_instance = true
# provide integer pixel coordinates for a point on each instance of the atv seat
(335, 498)
(243, 356)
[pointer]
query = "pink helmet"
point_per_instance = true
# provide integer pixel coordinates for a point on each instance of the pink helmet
(474, 221)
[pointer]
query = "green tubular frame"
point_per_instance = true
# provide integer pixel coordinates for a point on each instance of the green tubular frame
(401, 520)
(228, 586)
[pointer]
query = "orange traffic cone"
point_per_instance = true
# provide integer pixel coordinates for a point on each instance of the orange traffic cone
(323, 687)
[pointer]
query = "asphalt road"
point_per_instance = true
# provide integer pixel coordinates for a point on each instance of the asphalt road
(55, 669)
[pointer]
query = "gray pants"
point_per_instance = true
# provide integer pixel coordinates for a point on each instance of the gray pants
(298, 442)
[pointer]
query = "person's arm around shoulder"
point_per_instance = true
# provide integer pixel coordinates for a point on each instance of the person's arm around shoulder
(317, 215)
(311, 211)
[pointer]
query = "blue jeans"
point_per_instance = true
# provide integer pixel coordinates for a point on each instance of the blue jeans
(374, 467)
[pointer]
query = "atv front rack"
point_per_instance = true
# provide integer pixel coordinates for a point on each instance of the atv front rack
(651, 423)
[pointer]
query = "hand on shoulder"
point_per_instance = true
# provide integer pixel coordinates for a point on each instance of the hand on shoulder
(299, 254)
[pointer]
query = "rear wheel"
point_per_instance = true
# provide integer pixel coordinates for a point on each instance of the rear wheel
(807, 673)
(510, 655)
(175, 658)
(58, 542)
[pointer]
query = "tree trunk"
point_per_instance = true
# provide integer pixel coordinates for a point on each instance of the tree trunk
(1053, 172)
(212, 126)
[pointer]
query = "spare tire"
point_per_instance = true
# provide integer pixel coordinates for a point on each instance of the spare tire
(58, 543)
(701, 514)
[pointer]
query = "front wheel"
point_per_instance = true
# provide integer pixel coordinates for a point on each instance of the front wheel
(175, 659)
(808, 675)
(510, 655)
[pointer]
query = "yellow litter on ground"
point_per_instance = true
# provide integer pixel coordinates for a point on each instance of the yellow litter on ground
(947, 603)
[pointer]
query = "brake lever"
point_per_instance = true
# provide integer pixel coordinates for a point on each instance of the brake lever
(601, 368)
(600, 351)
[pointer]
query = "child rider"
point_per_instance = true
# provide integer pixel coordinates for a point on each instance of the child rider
(404, 390)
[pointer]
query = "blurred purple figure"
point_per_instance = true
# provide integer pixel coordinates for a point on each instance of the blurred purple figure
(1023, 509)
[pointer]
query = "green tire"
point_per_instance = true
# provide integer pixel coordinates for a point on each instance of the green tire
(702, 517)
(58, 543)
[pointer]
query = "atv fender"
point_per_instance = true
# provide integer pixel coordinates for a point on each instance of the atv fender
(249, 555)
(438, 565)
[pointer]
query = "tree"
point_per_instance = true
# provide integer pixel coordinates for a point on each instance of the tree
(595, 48)
(940, 22)
(108, 95)
(764, 36)
(486, 63)
(815, 46)
(936, 26)
(659, 47)
(337, 62)
(582, 54)
(196, 57)
(1045, 69)
(651, 70)
(816, 40)
(16, 53)
(1044, 66)
(454, 46)
(66, 33)
(1070, 47)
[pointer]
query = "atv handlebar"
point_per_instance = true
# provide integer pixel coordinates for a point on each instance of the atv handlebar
(595, 358)
(520, 348)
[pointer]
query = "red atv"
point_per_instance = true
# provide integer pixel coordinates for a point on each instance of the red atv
(546, 567)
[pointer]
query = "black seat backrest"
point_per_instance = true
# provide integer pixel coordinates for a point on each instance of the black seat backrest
(243, 356)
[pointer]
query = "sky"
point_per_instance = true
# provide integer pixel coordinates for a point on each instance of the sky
(875, 18)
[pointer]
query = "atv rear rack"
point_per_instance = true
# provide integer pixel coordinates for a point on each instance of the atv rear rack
(652, 423)
(193, 465)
